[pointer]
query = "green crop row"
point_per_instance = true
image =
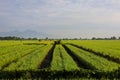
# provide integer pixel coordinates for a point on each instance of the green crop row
(6, 43)
(105, 47)
(62, 61)
(99, 63)
(23, 59)
(18, 53)
(31, 61)
(11, 49)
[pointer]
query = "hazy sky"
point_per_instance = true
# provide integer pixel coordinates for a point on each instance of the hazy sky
(62, 18)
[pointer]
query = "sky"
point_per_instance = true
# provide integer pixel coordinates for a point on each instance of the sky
(62, 18)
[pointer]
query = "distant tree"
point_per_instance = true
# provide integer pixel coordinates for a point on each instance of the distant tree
(119, 38)
(34, 38)
(80, 38)
(10, 38)
(113, 38)
(75, 39)
(46, 38)
(100, 38)
(39, 40)
(29, 38)
(93, 38)
(107, 38)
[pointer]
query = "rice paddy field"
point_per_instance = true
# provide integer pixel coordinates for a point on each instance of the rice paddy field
(60, 59)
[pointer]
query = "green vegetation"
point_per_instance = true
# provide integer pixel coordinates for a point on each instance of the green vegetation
(17, 53)
(87, 59)
(95, 62)
(108, 49)
(62, 61)
(31, 61)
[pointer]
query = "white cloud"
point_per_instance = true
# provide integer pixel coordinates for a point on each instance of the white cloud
(70, 14)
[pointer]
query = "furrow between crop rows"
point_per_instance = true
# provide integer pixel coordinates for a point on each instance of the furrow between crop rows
(110, 58)
(93, 61)
(17, 59)
(80, 62)
(47, 60)
(62, 61)
(31, 61)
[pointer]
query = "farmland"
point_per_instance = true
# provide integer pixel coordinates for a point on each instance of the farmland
(60, 59)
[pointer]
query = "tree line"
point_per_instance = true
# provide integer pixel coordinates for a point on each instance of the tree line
(21, 38)
(16, 38)
(111, 38)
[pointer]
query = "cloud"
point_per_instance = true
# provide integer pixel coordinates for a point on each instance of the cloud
(65, 15)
